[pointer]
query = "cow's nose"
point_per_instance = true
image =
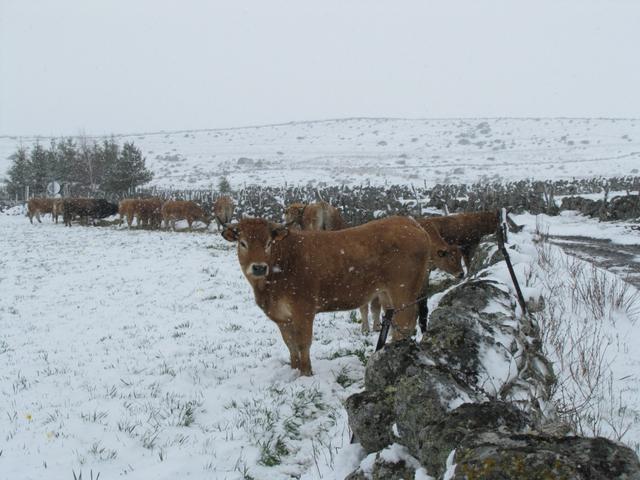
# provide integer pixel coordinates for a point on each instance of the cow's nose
(259, 269)
(461, 275)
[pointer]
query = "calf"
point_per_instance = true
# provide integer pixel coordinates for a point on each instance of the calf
(37, 206)
(173, 210)
(223, 210)
(314, 216)
(464, 229)
(297, 274)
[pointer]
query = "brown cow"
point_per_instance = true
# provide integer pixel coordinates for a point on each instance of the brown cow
(223, 210)
(322, 216)
(58, 208)
(173, 210)
(126, 208)
(297, 274)
(314, 216)
(37, 206)
(149, 212)
(448, 259)
(464, 229)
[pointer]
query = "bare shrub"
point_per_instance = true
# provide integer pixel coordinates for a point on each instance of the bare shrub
(582, 303)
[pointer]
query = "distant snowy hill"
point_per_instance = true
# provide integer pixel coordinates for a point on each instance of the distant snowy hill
(379, 151)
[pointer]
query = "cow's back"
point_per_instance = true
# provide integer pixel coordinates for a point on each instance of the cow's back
(464, 228)
(321, 216)
(361, 258)
(42, 205)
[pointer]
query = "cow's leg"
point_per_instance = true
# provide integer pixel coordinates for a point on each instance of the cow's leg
(304, 334)
(423, 306)
(173, 224)
(190, 222)
(364, 315)
(38, 216)
(375, 313)
(404, 301)
(423, 314)
(286, 330)
(30, 215)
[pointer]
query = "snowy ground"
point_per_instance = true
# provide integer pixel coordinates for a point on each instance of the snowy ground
(142, 354)
(386, 151)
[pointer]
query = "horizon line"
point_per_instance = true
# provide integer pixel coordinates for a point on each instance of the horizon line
(294, 122)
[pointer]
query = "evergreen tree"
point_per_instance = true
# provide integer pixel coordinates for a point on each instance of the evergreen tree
(39, 170)
(65, 160)
(127, 172)
(223, 185)
(18, 173)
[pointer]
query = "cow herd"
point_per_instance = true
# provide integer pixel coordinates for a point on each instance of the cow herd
(146, 212)
(315, 262)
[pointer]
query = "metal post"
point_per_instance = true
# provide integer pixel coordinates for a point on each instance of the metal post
(507, 259)
(384, 331)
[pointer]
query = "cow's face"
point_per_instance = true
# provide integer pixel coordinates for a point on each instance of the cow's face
(449, 259)
(293, 214)
(255, 237)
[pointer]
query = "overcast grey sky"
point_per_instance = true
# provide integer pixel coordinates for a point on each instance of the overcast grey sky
(117, 66)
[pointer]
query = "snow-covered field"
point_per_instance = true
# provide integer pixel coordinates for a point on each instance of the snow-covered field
(386, 151)
(142, 354)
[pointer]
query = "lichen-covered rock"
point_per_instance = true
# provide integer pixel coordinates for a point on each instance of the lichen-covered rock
(475, 333)
(474, 296)
(436, 440)
(386, 366)
(495, 456)
(426, 398)
(371, 417)
(392, 463)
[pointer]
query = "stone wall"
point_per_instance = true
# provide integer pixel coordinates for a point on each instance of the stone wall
(471, 400)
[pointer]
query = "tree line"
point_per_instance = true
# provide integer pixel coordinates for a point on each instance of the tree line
(81, 166)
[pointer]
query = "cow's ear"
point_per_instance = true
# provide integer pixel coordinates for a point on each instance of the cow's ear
(230, 233)
(279, 232)
(443, 252)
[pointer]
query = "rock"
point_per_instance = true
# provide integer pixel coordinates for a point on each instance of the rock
(371, 417)
(475, 333)
(624, 207)
(495, 456)
(386, 366)
(436, 440)
(583, 205)
(393, 463)
(424, 399)
(473, 296)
